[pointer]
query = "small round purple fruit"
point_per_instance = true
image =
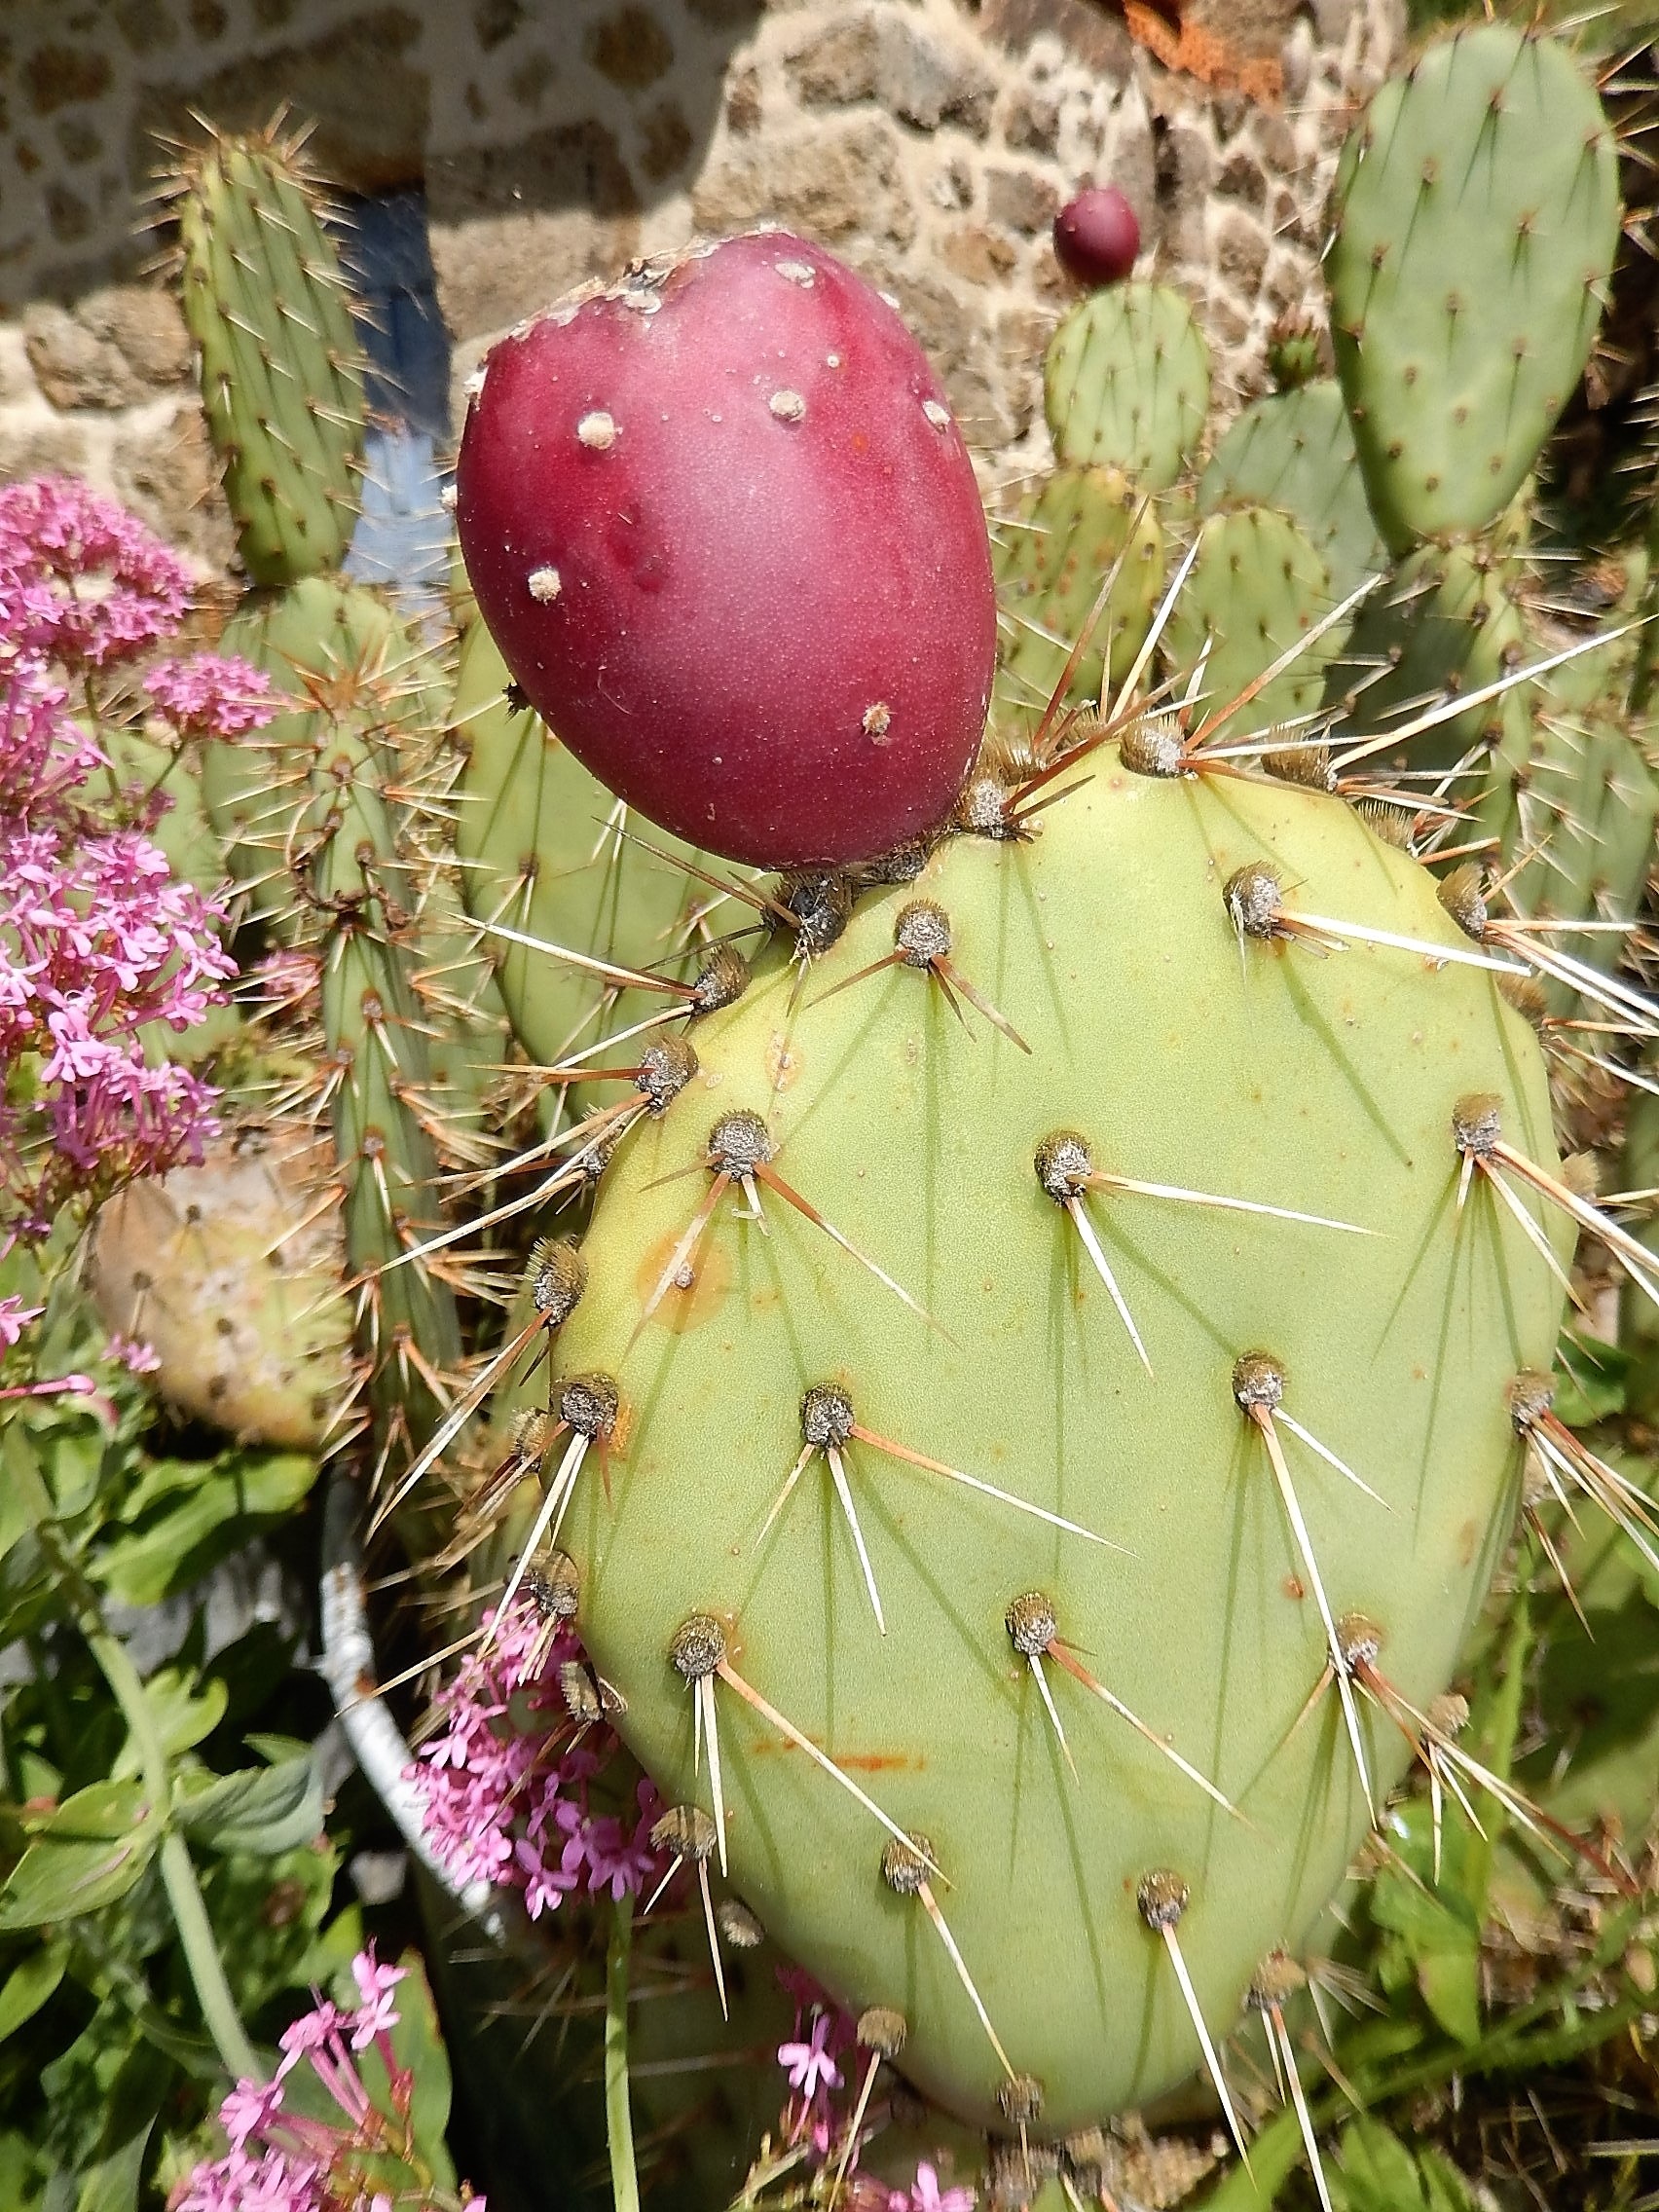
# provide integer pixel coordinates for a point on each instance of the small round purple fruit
(1096, 236)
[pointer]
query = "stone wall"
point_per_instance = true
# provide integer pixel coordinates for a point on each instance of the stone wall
(927, 140)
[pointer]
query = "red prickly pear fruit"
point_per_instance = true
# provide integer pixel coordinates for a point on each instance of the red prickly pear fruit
(724, 527)
(1096, 236)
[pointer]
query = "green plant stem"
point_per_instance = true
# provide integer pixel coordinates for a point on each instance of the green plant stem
(618, 2116)
(178, 1872)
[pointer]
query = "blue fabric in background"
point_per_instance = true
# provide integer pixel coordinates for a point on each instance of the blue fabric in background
(402, 537)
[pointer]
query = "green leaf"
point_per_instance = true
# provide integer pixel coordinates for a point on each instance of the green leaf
(184, 1713)
(1444, 2188)
(112, 2185)
(231, 1501)
(31, 1981)
(1374, 2172)
(88, 1851)
(1590, 1380)
(1441, 1938)
(262, 1810)
(265, 1914)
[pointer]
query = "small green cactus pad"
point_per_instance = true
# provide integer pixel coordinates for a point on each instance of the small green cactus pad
(542, 851)
(1444, 623)
(1294, 451)
(1296, 353)
(1196, 1061)
(228, 1273)
(280, 367)
(1052, 561)
(1256, 586)
(1477, 214)
(1126, 384)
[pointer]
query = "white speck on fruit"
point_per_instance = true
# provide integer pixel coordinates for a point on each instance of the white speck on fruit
(877, 721)
(543, 584)
(786, 406)
(832, 361)
(598, 430)
(937, 416)
(891, 299)
(446, 499)
(800, 273)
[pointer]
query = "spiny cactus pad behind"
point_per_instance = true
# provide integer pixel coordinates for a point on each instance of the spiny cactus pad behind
(1255, 1071)
(1294, 451)
(1493, 156)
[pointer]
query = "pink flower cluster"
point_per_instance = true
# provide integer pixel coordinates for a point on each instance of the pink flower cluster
(282, 2160)
(82, 582)
(100, 949)
(507, 1790)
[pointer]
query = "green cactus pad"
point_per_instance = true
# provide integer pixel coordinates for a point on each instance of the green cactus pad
(1126, 384)
(1444, 623)
(1294, 451)
(326, 645)
(1586, 808)
(538, 839)
(1051, 560)
(1256, 586)
(1477, 214)
(280, 367)
(1188, 1057)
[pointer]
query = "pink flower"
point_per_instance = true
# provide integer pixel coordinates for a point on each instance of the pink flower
(15, 1319)
(510, 1803)
(807, 2064)
(249, 2109)
(375, 1985)
(137, 1358)
(926, 2196)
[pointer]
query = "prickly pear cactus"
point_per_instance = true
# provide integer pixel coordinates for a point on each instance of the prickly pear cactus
(1446, 622)
(857, 1529)
(1477, 211)
(1035, 1406)
(226, 1272)
(545, 854)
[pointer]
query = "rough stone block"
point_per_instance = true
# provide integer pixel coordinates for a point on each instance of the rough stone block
(512, 227)
(832, 181)
(883, 56)
(1020, 200)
